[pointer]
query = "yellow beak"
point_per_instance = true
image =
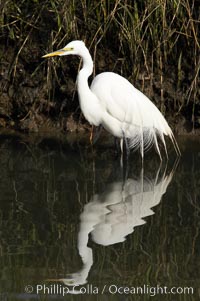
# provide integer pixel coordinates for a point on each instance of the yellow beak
(57, 52)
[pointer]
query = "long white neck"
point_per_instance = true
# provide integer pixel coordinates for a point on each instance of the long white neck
(86, 71)
(88, 101)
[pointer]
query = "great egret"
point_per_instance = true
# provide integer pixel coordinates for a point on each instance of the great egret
(110, 216)
(118, 106)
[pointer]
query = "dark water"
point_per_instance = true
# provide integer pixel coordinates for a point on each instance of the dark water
(73, 221)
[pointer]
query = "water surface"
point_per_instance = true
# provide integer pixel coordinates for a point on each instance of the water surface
(71, 217)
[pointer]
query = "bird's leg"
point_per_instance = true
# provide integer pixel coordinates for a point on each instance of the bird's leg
(122, 147)
(124, 161)
(91, 135)
(117, 144)
(125, 171)
(97, 133)
(122, 152)
(127, 149)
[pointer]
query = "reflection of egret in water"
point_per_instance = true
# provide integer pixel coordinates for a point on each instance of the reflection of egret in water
(112, 215)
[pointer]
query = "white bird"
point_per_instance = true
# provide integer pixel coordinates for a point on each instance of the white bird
(110, 216)
(113, 102)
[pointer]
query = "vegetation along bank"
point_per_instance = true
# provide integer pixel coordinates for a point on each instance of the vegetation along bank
(153, 43)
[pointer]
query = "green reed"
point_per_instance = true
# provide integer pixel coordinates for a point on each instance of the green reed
(155, 44)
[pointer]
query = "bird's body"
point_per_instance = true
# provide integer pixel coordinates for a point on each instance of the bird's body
(118, 117)
(113, 102)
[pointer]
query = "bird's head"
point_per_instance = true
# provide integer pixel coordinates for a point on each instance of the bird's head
(73, 48)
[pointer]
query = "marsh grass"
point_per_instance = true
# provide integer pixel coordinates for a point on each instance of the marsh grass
(155, 44)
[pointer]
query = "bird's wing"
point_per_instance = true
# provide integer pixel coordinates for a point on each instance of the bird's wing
(111, 95)
(138, 116)
(125, 103)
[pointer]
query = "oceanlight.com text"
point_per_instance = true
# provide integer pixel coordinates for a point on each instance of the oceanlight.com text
(112, 289)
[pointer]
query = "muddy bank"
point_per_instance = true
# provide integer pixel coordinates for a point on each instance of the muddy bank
(39, 95)
(28, 104)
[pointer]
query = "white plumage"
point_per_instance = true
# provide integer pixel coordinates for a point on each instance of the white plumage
(118, 106)
(110, 216)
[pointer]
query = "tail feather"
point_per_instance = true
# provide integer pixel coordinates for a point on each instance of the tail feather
(145, 138)
(163, 141)
(175, 144)
(156, 145)
(142, 143)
